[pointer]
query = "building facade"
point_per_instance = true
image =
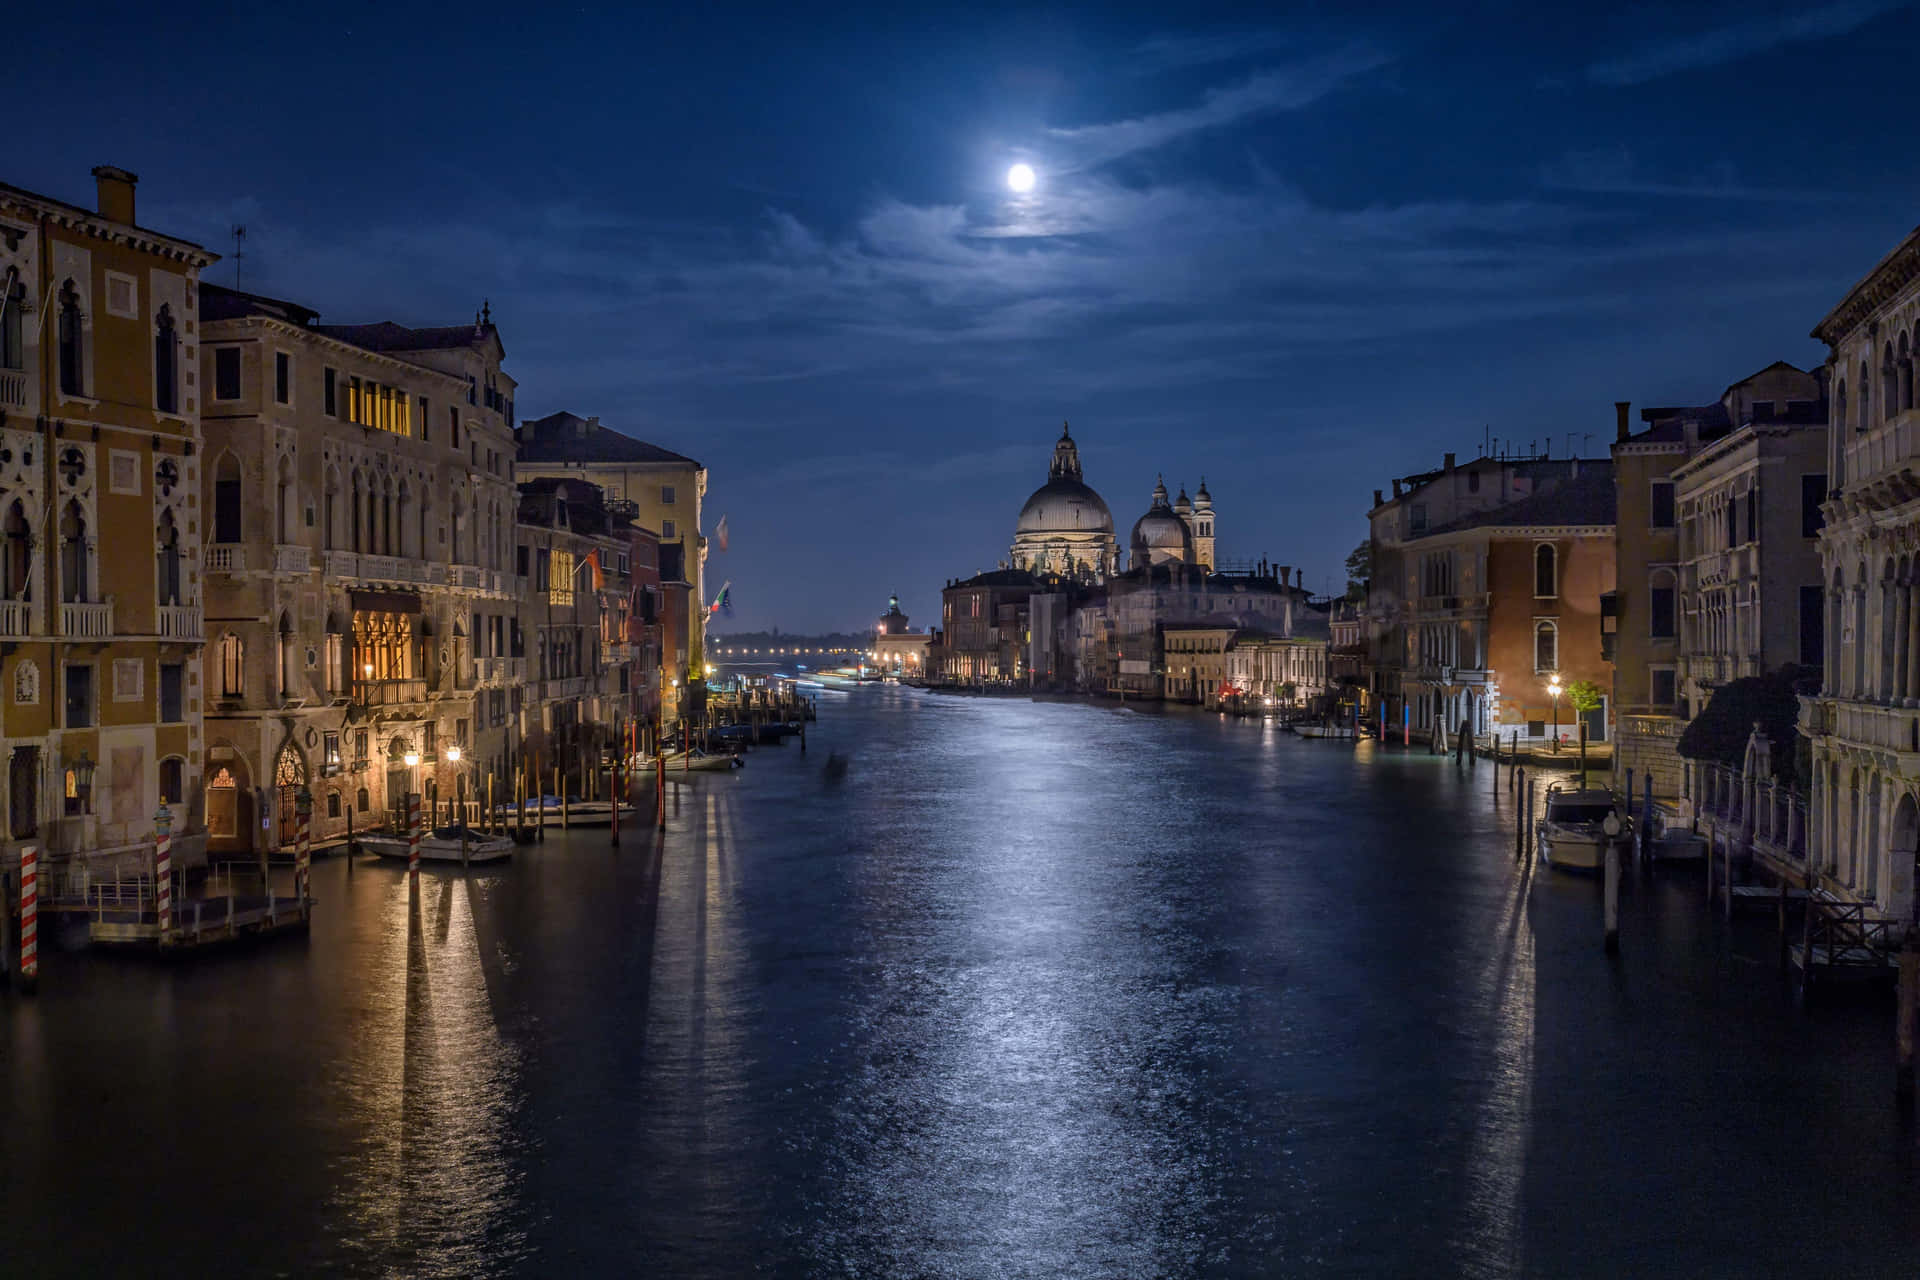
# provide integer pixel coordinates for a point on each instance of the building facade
(101, 571)
(1863, 727)
(358, 570)
(666, 489)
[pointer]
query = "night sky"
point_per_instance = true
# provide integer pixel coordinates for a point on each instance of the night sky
(1296, 255)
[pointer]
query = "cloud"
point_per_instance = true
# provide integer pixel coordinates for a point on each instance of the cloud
(1282, 89)
(1738, 40)
(1614, 171)
(1171, 53)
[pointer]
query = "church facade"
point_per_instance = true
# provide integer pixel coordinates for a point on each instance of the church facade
(1066, 529)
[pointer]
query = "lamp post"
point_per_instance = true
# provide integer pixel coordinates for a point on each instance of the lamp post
(1553, 687)
(460, 798)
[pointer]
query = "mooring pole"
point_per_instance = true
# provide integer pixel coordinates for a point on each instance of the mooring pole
(413, 842)
(29, 918)
(1646, 827)
(1611, 922)
(163, 870)
(302, 847)
(1519, 827)
(1903, 1022)
(660, 788)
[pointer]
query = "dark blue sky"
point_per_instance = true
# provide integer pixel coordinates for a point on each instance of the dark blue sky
(1294, 254)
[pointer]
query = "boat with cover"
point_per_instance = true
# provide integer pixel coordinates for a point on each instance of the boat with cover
(442, 844)
(695, 761)
(1579, 825)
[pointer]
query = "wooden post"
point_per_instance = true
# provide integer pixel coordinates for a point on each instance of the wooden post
(660, 788)
(1583, 755)
(493, 817)
(1903, 1023)
(560, 788)
(613, 800)
(29, 918)
(163, 870)
(1519, 819)
(1782, 909)
(1726, 900)
(349, 808)
(303, 847)
(1646, 820)
(413, 840)
(460, 800)
(1611, 920)
(1533, 836)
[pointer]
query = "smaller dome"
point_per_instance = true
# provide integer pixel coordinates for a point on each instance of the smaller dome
(1202, 500)
(1161, 530)
(1182, 506)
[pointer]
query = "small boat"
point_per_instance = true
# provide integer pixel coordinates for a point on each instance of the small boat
(578, 813)
(695, 761)
(1578, 827)
(442, 844)
(1305, 729)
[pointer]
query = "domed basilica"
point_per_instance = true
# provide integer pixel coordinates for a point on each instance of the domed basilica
(1065, 527)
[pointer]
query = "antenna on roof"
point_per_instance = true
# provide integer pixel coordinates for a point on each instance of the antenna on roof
(239, 251)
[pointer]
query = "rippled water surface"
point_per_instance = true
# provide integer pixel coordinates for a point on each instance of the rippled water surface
(1037, 989)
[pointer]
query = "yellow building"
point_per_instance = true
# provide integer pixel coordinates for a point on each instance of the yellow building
(665, 488)
(100, 526)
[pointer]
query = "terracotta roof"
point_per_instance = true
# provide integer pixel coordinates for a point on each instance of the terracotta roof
(1585, 499)
(388, 336)
(568, 437)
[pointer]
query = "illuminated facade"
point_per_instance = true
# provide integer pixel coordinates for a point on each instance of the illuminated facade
(359, 567)
(100, 563)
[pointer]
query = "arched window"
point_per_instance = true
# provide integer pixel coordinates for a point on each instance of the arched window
(232, 666)
(1546, 575)
(13, 328)
(337, 681)
(1862, 413)
(1903, 366)
(289, 656)
(354, 528)
(333, 804)
(403, 509)
(72, 365)
(330, 511)
(360, 800)
(166, 363)
(226, 500)
(1662, 599)
(1546, 646)
(167, 557)
(73, 554)
(173, 771)
(285, 502)
(1889, 384)
(16, 564)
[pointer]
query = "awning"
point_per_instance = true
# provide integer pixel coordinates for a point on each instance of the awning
(384, 601)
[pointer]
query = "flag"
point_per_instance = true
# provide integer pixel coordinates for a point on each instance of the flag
(720, 533)
(599, 578)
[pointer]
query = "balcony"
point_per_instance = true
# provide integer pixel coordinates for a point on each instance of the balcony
(87, 621)
(16, 618)
(501, 670)
(179, 622)
(340, 564)
(617, 654)
(570, 687)
(388, 693)
(226, 557)
(291, 560)
(1888, 447)
(466, 575)
(1870, 725)
(13, 389)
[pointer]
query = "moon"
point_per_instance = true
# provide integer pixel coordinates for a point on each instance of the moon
(1020, 178)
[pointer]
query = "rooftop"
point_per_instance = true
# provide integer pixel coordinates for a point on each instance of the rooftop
(568, 437)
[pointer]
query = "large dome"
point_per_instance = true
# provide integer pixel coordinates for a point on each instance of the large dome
(1064, 505)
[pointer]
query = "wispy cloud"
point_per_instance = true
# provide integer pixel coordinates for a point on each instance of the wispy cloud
(1279, 89)
(1738, 40)
(1615, 171)
(1171, 53)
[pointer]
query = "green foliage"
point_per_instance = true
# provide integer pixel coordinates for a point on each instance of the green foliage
(1585, 696)
(1359, 570)
(1719, 733)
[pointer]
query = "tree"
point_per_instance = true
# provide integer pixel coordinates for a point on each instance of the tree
(1719, 733)
(1359, 571)
(1585, 696)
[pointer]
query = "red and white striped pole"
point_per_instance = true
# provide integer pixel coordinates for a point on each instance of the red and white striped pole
(163, 869)
(302, 847)
(413, 838)
(29, 917)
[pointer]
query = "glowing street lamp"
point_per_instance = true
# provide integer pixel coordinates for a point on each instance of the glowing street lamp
(1553, 687)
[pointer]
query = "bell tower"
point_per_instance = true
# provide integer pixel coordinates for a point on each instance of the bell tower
(1203, 527)
(1066, 458)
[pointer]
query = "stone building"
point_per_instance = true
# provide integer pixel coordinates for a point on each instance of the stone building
(984, 629)
(1065, 527)
(666, 490)
(574, 569)
(100, 563)
(1292, 671)
(1487, 582)
(359, 584)
(1644, 621)
(1864, 726)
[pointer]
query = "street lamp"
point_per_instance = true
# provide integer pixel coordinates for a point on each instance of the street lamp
(1553, 687)
(460, 798)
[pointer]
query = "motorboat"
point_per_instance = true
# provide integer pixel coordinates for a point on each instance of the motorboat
(577, 812)
(442, 844)
(695, 761)
(1578, 826)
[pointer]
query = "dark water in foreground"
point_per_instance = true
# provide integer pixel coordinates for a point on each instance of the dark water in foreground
(1037, 990)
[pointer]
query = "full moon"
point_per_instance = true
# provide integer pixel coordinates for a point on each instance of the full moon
(1020, 177)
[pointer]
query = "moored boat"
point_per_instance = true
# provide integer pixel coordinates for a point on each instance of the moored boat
(1578, 826)
(442, 844)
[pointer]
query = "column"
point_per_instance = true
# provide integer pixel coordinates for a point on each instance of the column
(1912, 620)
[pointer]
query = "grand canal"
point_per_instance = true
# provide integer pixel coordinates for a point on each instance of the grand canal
(1036, 989)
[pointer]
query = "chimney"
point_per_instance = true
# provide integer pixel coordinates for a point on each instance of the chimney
(1449, 465)
(1376, 497)
(1283, 575)
(1300, 579)
(1620, 431)
(1690, 432)
(1396, 489)
(114, 190)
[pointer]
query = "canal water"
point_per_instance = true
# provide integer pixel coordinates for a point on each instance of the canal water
(1036, 989)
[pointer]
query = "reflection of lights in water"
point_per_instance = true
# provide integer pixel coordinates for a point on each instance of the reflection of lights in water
(435, 1180)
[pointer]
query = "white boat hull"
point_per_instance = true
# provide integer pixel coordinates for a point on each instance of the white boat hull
(436, 849)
